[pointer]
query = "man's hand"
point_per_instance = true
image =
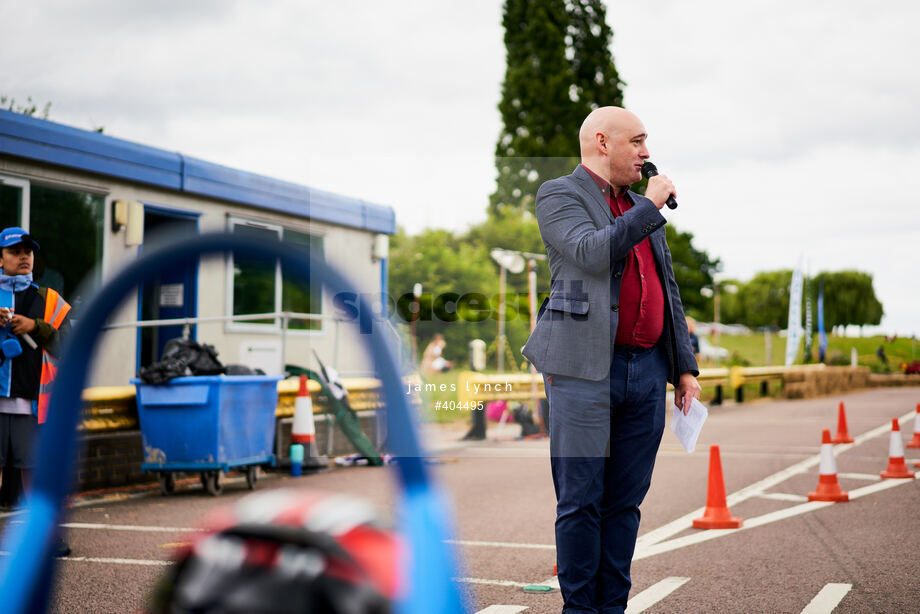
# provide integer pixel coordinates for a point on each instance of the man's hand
(21, 324)
(658, 190)
(687, 390)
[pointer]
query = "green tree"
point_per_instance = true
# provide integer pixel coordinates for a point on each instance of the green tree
(29, 108)
(730, 307)
(764, 300)
(558, 68)
(849, 298)
(596, 80)
(449, 269)
(517, 232)
(693, 271)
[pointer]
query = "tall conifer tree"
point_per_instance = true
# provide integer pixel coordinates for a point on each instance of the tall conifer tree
(558, 68)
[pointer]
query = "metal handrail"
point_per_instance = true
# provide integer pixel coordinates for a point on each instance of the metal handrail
(290, 315)
(284, 316)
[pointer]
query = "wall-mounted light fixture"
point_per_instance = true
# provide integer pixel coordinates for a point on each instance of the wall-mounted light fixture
(130, 216)
(119, 214)
(381, 247)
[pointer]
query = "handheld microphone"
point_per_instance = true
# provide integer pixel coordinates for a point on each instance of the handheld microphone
(650, 170)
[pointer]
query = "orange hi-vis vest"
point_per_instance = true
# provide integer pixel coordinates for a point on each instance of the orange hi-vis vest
(56, 309)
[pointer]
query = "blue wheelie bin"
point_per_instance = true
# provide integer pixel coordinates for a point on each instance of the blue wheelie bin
(207, 424)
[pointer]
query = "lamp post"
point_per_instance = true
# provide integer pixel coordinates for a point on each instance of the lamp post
(714, 291)
(416, 295)
(507, 261)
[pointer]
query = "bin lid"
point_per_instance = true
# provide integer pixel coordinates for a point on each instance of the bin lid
(207, 379)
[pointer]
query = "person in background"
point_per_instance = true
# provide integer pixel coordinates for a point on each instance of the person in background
(432, 359)
(883, 358)
(33, 320)
(694, 340)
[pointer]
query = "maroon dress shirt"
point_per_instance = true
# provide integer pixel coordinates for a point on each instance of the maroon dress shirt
(641, 307)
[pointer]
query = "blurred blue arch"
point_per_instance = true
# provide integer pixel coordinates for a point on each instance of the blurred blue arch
(27, 572)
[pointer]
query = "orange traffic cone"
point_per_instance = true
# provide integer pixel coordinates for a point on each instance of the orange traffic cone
(303, 431)
(717, 514)
(896, 466)
(915, 442)
(842, 435)
(828, 487)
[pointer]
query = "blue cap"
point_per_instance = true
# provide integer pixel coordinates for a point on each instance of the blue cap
(14, 236)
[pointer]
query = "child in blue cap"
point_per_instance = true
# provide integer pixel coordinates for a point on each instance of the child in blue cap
(32, 322)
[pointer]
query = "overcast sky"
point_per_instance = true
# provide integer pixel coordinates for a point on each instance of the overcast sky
(789, 128)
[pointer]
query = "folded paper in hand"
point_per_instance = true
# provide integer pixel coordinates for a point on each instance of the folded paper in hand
(687, 428)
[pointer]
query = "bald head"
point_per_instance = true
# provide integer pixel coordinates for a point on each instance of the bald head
(612, 142)
(608, 121)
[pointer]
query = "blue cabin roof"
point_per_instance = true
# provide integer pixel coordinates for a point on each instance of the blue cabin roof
(47, 141)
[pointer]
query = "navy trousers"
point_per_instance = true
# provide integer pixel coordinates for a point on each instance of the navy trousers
(603, 440)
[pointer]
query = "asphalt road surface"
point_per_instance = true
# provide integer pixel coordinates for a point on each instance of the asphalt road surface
(790, 556)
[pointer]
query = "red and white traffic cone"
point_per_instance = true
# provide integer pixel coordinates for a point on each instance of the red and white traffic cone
(717, 515)
(915, 442)
(896, 466)
(828, 487)
(303, 430)
(842, 435)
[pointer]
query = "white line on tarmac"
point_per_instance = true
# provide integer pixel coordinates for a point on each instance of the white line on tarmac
(758, 521)
(92, 559)
(639, 603)
(503, 609)
(654, 594)
(882, 485)
(827, 599)
(684, 522)
(781, 496)
(492, 582)
(126, 527)
(462, 542)
(861, 476)
(551, 582)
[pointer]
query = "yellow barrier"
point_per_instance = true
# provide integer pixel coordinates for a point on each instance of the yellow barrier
(473, 387)
(114, 408)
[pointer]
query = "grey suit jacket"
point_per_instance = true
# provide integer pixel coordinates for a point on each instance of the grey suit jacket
(587, 249)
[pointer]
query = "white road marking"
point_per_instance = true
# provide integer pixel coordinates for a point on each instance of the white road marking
(492, 582)
(827, 599)
(861, 476)
(874, 488)
(758, 521)
(503, 609)
(92, 559)
(126, 527)
(552, 582)
(654, 594)
(781, 496)
(462, 542)
(684, 522)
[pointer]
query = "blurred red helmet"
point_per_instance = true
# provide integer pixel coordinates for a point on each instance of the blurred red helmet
(286, 551)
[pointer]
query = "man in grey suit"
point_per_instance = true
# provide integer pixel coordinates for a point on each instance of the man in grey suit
(608, 339)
